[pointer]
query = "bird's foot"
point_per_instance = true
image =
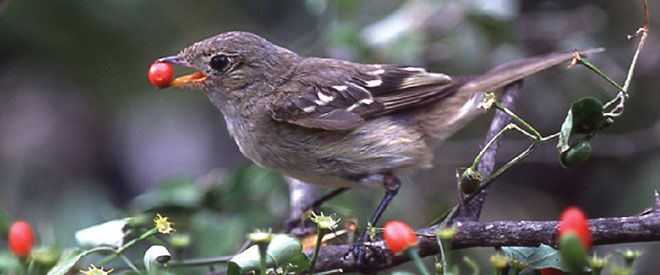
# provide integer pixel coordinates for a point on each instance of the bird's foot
(364, 253)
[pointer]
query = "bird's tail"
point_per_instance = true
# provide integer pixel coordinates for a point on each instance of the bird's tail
(511, 72)
(449, 115)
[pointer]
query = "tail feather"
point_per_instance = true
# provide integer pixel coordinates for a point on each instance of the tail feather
(450, 114)
(508, 73)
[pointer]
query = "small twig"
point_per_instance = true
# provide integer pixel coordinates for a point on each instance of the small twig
(643, 34)
(535, 133)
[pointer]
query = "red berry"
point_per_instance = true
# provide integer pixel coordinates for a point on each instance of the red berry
(161, 74)
(21, 238)
(573, 220)
(399, 236)
(552, 271)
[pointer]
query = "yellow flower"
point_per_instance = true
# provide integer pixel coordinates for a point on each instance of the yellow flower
(95, 271)
(323, 221)
(164, 226)
(260, 236)
(499, 261)
(487, 102)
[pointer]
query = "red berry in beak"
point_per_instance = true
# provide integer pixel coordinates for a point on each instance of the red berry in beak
(161, 74)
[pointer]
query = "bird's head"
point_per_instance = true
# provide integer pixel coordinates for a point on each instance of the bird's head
(229, 62)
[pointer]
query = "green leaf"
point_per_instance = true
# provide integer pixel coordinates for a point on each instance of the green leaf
(587, 115)
(543, 256)
(299, 263)
(282, 250)
(565, 133)
(67, 262)
(8, 262)
(182, 193)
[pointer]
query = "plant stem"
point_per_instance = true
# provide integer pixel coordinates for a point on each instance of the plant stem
(128, 245)
(444, 251)
(317, 248)
(584, 61)
(413, 253)
(510, 126)
(142, 237)
(262, 257)
(199, 262)
(23, 266)
(472, 265)
(499, 106)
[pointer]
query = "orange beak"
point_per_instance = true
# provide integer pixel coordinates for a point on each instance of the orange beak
(184, 80)
(188, 79)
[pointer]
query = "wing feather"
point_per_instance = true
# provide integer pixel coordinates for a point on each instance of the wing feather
(365, 91)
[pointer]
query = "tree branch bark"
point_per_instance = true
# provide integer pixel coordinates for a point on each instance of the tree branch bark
(640, 228)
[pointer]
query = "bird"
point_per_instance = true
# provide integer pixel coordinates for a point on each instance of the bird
(338, 123)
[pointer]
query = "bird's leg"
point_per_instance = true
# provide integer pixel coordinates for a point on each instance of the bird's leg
(318, 202)
(294, 222)
(391, 184)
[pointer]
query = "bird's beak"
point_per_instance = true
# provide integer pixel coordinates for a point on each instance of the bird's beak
(184, 80)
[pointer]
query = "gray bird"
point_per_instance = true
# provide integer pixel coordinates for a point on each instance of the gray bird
(337, 123)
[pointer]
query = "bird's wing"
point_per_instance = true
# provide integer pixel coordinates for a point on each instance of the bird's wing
(341, 95)
(337, 95)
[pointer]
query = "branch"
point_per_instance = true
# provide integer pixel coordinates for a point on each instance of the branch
(640, 228)
(472, 210)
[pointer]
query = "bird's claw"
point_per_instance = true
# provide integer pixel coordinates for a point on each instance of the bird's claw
(363, 252)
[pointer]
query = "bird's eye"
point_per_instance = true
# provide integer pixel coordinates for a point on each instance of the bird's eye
(219, 62)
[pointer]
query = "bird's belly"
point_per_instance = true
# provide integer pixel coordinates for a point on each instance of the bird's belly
(338, 158)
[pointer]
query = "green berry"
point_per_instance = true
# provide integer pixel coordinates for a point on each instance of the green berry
(572, 252)
(577, 154)
(470, 180)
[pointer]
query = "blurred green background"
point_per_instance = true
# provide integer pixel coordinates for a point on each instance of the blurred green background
(84, 138)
